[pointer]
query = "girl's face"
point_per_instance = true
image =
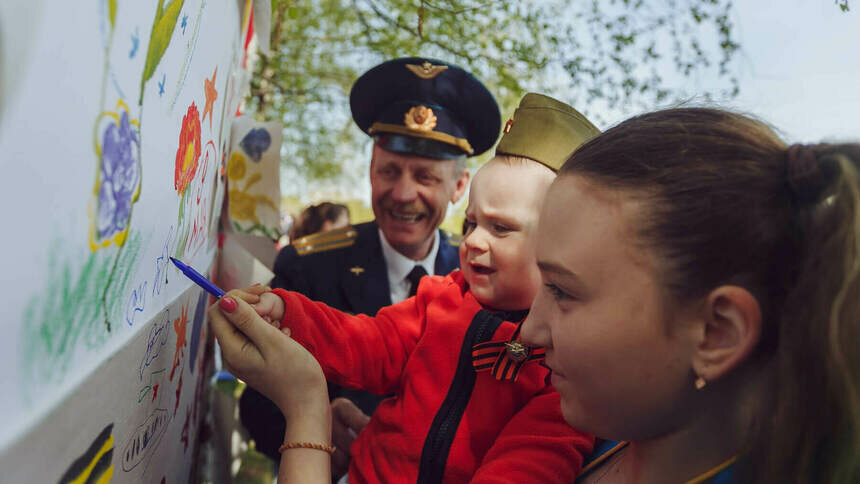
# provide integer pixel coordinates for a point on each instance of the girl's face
(619, 358)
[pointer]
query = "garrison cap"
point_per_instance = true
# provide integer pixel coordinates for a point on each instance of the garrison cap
(425, 107)
(545, 130)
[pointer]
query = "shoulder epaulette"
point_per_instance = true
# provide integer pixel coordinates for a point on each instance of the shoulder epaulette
(323, 241)
(453, 239)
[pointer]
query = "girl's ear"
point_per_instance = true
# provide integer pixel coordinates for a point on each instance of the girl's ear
(731, 331)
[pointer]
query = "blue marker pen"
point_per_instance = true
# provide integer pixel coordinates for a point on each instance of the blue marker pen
(199, 279)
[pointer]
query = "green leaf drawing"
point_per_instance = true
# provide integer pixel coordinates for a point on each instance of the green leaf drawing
(162, 30)
(112, 13)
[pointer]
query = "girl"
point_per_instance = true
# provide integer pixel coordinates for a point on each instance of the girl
(701, 301)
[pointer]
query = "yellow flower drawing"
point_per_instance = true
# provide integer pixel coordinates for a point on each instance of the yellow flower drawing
(243, 205)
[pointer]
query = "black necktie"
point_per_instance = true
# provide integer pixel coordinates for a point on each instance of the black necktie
(414, 276)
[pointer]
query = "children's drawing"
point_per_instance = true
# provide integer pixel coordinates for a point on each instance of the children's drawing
(94, 465)
(190, 47)
(118, 178)
(179, 326)
(188, 153)
(161, 84)
(75, 292)
(184, 435)
(252, 173)
(255, 143)
(159, 38)
(211, 95)
(145, 439)
(135, 43)
(178, 393)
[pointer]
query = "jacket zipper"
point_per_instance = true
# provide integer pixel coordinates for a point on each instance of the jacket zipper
(437, 445)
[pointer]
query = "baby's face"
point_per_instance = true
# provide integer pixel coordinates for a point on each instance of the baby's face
(497, 252)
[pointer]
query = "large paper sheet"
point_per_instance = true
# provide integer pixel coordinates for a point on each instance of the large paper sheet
(114, 134)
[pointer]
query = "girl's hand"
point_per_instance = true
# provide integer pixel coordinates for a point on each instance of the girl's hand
(268, 359)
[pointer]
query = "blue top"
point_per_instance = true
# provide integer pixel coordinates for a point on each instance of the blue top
(605, 449)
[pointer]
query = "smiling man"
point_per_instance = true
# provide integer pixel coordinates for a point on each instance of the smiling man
(425, 117)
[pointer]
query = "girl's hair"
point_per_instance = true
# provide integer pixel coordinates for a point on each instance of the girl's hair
(728, 203)
(311, 220)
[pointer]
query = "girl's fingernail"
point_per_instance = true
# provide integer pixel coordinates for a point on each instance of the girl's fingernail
(228, 304)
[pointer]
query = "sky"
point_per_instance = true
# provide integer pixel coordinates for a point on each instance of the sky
(798, 67)
(798, 70)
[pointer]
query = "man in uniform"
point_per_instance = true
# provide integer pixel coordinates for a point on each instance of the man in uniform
(425, 117)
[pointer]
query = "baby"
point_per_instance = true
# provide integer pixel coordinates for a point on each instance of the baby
(470, 401)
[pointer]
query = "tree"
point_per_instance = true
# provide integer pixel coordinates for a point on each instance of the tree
(593, 54)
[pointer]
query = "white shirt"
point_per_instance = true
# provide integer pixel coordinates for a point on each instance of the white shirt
(399, 266)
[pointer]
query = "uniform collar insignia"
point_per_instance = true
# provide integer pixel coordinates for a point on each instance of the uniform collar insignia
(426, 70)
(357, 270)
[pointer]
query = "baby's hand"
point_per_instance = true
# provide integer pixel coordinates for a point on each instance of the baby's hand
(271, 308)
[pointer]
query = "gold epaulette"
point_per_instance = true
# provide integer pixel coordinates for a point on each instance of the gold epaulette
(453, 239)
(323, 241)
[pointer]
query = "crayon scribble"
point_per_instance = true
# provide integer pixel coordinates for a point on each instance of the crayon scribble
(94, 465)
(152, 387)
(178, 393)
(144, 439)
(179, 326)
(135, 43)
(136, 303)
(65, 315)
(161, 85)
(157, 339)
(211, 95)
(184, 23)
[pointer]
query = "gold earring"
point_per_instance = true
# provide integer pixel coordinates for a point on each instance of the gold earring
(700, 383)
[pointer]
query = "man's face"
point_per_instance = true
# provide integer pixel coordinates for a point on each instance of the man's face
(410, 196)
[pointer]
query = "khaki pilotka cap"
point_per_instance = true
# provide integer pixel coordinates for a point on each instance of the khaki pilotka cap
(545, 130)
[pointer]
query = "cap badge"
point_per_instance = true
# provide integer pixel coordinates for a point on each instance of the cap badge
(420, 118)
(356, 270)
(426, 70)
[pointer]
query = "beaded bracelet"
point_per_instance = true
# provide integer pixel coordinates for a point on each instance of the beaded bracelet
(306, 445)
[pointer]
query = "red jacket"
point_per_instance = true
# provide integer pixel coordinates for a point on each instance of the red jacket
(445, 421)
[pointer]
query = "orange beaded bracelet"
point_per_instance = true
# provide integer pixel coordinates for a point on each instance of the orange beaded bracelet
(306, 445)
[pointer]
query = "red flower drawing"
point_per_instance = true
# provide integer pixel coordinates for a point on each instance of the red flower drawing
(188, 153)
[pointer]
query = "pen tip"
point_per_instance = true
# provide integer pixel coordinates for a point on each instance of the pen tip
(172, 259)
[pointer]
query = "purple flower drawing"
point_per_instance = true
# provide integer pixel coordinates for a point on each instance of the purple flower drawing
(118, 183)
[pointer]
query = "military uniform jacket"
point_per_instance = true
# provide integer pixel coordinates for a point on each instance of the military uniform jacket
(446, 422)
(345, 268)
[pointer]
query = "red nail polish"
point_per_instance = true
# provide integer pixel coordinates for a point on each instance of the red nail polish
(228, 304)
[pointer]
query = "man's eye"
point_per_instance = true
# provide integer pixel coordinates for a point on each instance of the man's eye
(556, 292)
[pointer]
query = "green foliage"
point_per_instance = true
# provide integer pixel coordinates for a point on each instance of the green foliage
(594, 54)
(162, 30)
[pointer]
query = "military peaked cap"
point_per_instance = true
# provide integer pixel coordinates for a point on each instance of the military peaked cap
(425, 107)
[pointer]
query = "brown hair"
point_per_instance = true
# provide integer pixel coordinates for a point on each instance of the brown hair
(312, 218)
(729, 203)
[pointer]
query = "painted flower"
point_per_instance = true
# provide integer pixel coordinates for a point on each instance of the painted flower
(188, 153)
(118, 182)
(236, 167)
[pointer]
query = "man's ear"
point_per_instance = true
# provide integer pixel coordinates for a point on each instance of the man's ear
(461, 185)
(731, 331)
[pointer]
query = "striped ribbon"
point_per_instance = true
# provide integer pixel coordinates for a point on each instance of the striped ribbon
(504, 359)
